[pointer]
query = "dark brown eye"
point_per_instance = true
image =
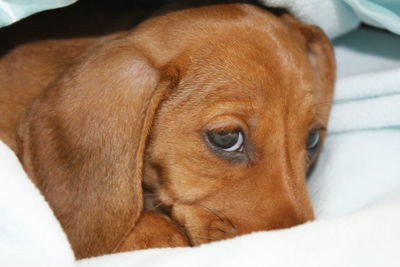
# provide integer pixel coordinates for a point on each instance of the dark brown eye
(226, 140)
(313, 142)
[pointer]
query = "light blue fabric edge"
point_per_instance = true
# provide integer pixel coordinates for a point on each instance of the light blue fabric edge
(368, 97)
(372, 129)
(376, 15)
(12, 11)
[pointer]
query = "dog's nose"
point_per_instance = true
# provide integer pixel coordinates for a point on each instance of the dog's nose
(295, 205)
(298, 215)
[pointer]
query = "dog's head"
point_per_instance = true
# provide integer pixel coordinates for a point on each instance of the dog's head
(218, 110)
(230, 147)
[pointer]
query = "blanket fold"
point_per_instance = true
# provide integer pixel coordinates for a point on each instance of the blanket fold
(367, 93)
(347, 242)
(335, 17)
(30, 235)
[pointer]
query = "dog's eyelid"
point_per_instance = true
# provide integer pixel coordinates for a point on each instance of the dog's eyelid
(318, 127)
(230, 128)
(227, 122)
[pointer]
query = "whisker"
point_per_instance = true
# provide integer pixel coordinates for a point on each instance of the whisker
(214, 212)
(156, 207)
(222, 217)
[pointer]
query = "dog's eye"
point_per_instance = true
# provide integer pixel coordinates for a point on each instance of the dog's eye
(227, 140)
(313, 142)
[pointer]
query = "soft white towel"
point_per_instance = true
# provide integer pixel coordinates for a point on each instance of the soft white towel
(30, 235)
(372, 113)
(365, 239)
(363, 52)
(356, 170)
(367, 94)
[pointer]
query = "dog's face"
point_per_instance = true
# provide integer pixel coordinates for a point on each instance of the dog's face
(220, 116)
(230, 148)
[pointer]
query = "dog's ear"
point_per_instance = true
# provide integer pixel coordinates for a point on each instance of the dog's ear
(82, 143)
(322, 60)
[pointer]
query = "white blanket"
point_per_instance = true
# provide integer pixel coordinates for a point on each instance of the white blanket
(30, 235)
(347, 241)
(355, 187)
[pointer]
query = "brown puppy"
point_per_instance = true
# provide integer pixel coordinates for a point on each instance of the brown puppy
(217, 110)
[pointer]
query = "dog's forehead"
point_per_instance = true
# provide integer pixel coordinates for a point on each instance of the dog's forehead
(260, 67)
(256, 92)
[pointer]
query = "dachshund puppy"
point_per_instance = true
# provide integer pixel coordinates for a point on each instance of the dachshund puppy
(216, 111)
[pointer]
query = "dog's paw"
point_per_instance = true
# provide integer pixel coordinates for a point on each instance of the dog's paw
(153, 230)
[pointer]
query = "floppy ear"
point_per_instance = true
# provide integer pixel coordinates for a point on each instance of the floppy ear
(321, 56)
(82, 144)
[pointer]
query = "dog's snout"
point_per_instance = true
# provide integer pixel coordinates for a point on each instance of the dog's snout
(295, 206)
(290, 215)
